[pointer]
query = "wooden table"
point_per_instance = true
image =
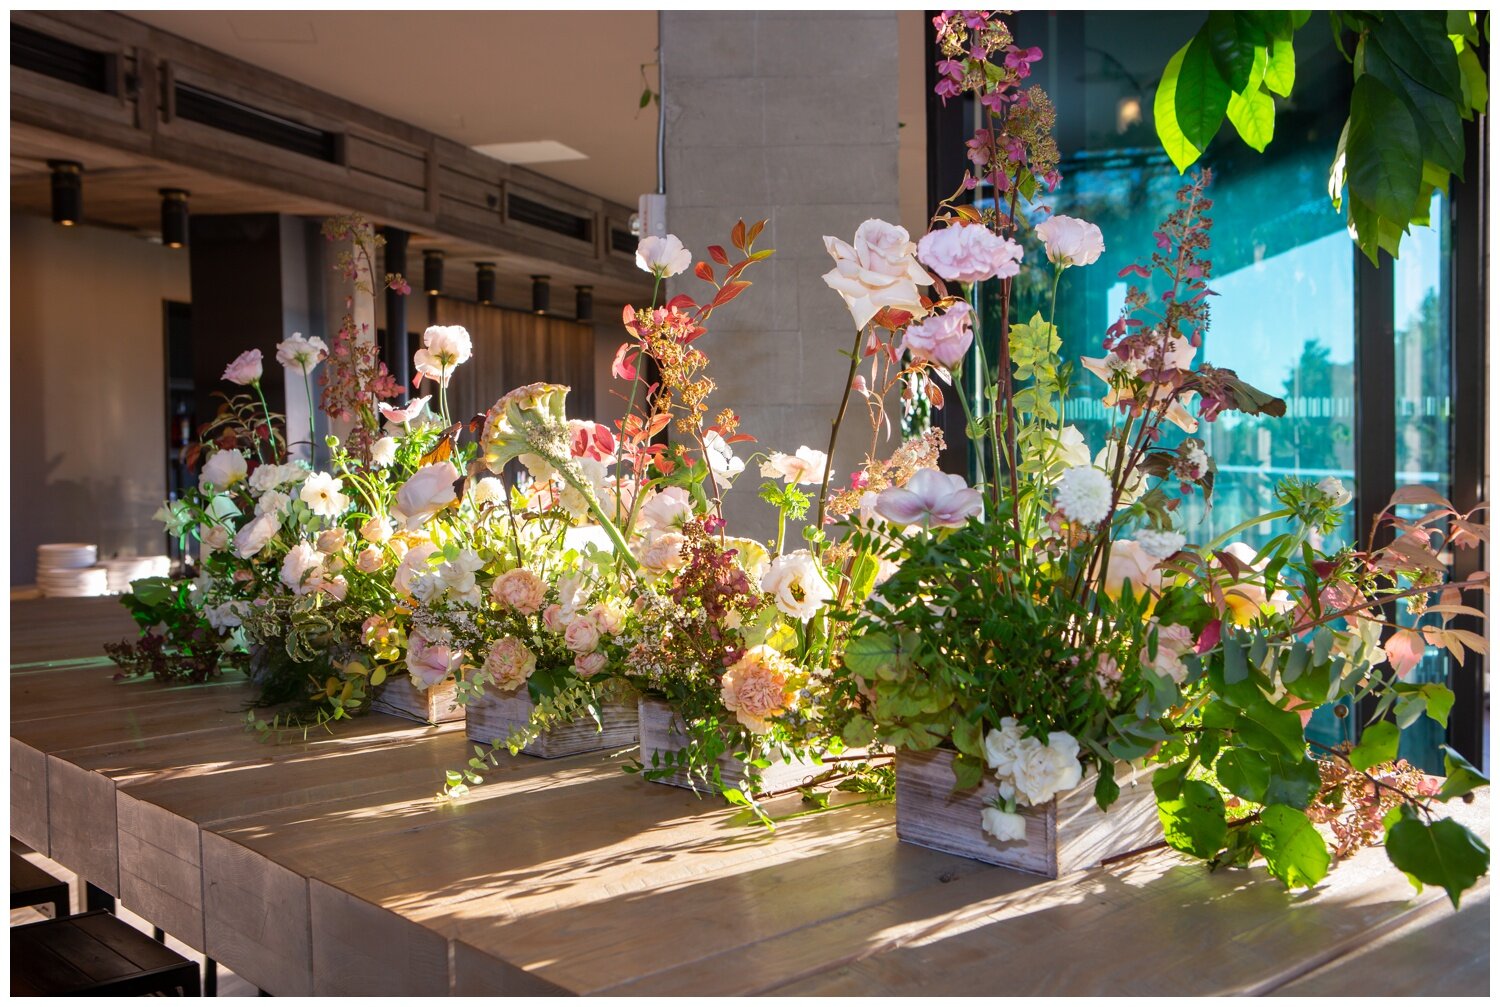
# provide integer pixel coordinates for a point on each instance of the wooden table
(327, 865)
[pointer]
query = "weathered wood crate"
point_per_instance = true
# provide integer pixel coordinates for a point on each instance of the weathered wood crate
(399, 697)
(662, 732)
(1067, 834)
(496, 715)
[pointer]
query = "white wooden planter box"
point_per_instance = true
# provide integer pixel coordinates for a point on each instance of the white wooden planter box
(400, 698)
(1067, 834)
(662, 732)
(496, 715)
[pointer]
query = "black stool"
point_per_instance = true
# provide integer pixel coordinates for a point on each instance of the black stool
(95, 953)
(32, 886)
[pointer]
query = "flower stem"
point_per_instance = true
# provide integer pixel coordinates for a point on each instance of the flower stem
(833, 435)
(312, 425)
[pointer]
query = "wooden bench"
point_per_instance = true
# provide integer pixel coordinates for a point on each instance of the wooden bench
(95, 953)
(32, 886)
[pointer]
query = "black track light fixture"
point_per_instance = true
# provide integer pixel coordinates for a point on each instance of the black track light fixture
(67, 192)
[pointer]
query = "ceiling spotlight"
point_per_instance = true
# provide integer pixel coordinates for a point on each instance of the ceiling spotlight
(585, 304)
(174, 218)
(541, 294)
(67, 192)
(484, 282)
(432, 271)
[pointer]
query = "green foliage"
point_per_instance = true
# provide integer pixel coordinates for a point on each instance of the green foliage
(1442, 853)
(1417, 77)
(1377, 744)
(1194, 820)
(1294, 850)
(1462, 779)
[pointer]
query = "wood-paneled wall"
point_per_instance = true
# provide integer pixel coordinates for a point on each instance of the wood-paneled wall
(514, 348)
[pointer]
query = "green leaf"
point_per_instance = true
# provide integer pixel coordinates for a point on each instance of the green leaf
(1384, 151)
(1443, 853)
(1106, 790)
(1232, 45)
(1462, 778)
(1475, 85)
(967, 772)
(968, 737)
(1194, 822)
(1417, 41)
(1294, 850)
(1164, 111)
(1236, 669)
(1281, 67)
(1244, 773)
(1254, 117)
(1377, 744)
(1439, 701)
(1436, 116)
(1293, 782)
(868, 655)
(1201, 96)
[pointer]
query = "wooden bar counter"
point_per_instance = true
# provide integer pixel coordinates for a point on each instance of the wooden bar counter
(329, 865)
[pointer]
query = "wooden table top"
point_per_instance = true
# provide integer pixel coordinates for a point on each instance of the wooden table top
(327, 865)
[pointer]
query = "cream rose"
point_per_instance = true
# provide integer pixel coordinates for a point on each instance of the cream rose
(429, 490)
(879, 270)
(1006, 826)
(252, 538)
(377, 530)
(370, 559)
(302, 569)
(582, 635)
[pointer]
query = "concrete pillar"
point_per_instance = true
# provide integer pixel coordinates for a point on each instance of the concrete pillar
(790, 116)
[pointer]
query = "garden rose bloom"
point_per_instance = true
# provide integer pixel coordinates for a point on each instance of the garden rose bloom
(376, 530)
(1070, 450)
(662, 256)
(755, 687)
(429, 490)
(1173, 643)
(413, 565)
(582, 635)
(1084, 495)
(252, 538)
(214, 537)
(331, 540)
(609, 617)
(383, 451)
(335, 587)
(1129, 561)
(932, 499)
(323, 495)
(302, 569)
(804, 468)
(370, 559)
(590, 664)
(877, 271)
(223, 470)
(969, 253)
(269, 477)
(403, 415)
(552, 618)
(797, 581)
(509, 664)
(670, 508)
(943, 338)
(519, 589)
(301, 354)
(1037, 772)
(662, 551)
(430, 662)
(1005, 826)
(444, 347)
(244, 369)
(1071, 241)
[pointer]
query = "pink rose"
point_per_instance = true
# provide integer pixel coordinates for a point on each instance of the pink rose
(582, 635)
(519, 589)
(755, 687)
(944, 339)
(370, 559)
(337, 588)
(1071, 241)
(590, 664)
(876, 272)
(331, 540)
(509, 664)
(969, 253)
(244, 369)
(552, 618)
(430, 662)
(608, 619)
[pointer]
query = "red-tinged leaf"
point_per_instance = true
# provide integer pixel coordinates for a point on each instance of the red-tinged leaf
(755, 229)
(968, 213)
(658, 424)
(1468, 534)
(1404, 650)
(737, 236)
(892, 319)
(934, 394)
(736, 269)
(1135, 270)
(624, 365)
(665, 465)
(1417, 495)
(1232, 565)
(739, 438)
(682, 302)
(717, 253)
(730, 291)
(704, 272)
(1209, 638)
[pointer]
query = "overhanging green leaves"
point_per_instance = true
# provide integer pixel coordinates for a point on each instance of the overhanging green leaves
(1294, 851)
(1444, 853)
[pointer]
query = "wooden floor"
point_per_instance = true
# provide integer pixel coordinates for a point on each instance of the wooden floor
(327, 865)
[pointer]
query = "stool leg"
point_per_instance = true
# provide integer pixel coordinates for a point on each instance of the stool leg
(210, 977)
(95, 897)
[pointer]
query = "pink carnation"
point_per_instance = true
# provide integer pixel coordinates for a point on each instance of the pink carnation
(969, 253)
(944, 338)
(521, 590)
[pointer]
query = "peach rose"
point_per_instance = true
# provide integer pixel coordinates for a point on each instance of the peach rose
(582, 635)
(509, 664)
(663, 552)
(331, 540)
(755, 688)
(370, 559)
(589, 665)
(519, 589)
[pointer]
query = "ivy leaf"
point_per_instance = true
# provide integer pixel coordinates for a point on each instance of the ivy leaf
(1194, 822)
(1443, 853)
(1377, 744)
(1462, 778)
(1164, 111)
(1201, 95)
(1254, 117)
(1244, 773)
(1384, 159)
(1294, 850)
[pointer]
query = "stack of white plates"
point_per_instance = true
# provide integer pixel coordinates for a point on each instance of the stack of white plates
(67, 570)
(122, 570)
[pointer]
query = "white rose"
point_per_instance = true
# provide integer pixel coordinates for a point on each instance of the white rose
(223, 470)
(323, 495)
(1002, 747)
(879, 270)
(798, 584)
(1044, 771)
(253, 537)
(214, 537)
(428, 491)
(383, 451)
(274, 503)
(1006, 826)
(302, 570)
